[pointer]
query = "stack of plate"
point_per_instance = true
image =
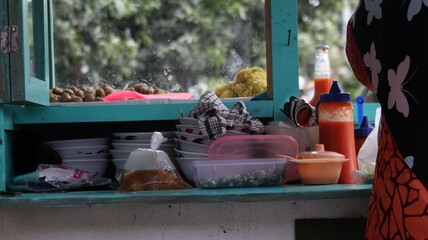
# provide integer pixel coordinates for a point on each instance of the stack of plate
(125, 143)
(88, 154)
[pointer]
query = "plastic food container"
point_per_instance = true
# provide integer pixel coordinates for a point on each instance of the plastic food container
(253, 146)
(319, 166)
(186, 167)
(239, 172)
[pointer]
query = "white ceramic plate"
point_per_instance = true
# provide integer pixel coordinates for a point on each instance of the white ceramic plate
(93, 166)
(191, 147)
(82, 150)
(188, 121)
(119, 163)
(130, 141)
(124, 154)
(196, 138)
(186, 154)
(134, 146)
(78, 142)
(119, 154)
(82, 157)
(140, 135)
(194, 129)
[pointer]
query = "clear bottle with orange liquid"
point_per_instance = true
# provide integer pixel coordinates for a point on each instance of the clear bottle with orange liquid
(322, 73)
(336, 128)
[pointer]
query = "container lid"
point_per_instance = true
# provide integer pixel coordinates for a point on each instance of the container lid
(365, 128)
(252, 146)
(319, 153)
(319, 160)
(335, 94)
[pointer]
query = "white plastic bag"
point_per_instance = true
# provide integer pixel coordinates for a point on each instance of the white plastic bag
(150, 169)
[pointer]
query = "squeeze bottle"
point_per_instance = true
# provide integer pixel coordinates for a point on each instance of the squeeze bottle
(322, 73)
(362, 133)
(336, 128)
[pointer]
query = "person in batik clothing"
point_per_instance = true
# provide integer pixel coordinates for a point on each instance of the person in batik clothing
(387, 48)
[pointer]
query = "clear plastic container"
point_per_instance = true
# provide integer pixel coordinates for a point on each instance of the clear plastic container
(253, 146)
(239, 172)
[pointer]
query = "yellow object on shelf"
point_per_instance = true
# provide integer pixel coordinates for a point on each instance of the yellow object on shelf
(249, 82)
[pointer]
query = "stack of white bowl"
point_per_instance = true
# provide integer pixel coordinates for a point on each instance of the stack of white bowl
(88, 154)
(126, 142)
(191, 145)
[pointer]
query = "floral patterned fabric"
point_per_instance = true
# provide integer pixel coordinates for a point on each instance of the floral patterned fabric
(387, 47)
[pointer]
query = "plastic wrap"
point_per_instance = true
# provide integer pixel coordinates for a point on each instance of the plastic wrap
(59, 177)
(150, 169)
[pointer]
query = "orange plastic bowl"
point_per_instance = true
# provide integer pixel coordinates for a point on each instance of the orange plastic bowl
(319, 170)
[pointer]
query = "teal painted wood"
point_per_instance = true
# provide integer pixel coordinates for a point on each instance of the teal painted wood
(369, 109)
(41, 39)
(51, 48)
(117, 113)
(192, 196)
(24, 87)
(285, 59)
(3, 147)
(4, 57)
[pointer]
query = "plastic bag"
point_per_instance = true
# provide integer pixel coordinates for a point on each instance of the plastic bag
(58, 177)
(150, 169)
(367, 155)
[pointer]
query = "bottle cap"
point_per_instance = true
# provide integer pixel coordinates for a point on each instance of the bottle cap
(335, 94)
(322, 47)
(365, 128)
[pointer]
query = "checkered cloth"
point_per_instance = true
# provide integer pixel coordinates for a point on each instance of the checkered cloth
(215, 118)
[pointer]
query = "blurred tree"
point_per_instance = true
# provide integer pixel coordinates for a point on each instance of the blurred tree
(324, 22)
(187, 45)
(168, 44)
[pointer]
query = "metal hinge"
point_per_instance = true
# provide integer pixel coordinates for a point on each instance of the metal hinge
(9, 39)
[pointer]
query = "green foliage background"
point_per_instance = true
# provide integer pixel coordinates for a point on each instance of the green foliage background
(183, 45)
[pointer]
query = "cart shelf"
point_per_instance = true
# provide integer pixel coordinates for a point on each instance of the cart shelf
(192, 196)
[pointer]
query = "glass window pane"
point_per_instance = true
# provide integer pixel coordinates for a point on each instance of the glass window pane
(31, 38)
(177, 46)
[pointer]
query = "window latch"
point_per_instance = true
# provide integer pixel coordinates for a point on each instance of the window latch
(9, 39)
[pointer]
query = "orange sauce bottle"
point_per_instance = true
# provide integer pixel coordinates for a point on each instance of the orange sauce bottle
(336, 128)
(322, 73)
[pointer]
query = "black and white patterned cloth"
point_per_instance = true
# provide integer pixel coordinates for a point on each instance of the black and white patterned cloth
(215, 118)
